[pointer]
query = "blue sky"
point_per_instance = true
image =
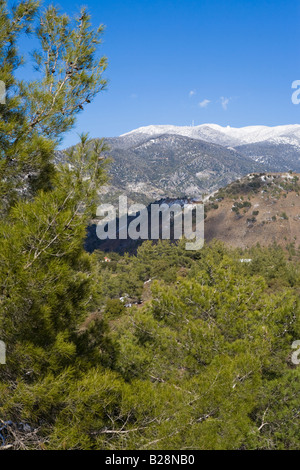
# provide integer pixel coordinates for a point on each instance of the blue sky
(177, 61)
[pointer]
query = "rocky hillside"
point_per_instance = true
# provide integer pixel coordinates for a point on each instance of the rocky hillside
(259, 208)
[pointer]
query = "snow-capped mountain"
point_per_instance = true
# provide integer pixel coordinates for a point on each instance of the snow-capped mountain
(226, 136)
(157, 162)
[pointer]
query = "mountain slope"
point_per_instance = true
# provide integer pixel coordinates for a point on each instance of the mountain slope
(261, 208)
(173, 166)
(273, 156)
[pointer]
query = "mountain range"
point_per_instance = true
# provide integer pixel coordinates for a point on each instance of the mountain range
(154, 162)
(226, 136)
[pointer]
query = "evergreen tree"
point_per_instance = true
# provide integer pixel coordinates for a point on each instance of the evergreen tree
(38, 112)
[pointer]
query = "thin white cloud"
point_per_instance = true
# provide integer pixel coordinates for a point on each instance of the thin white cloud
(204, 103)
(192, 93)
(225, 102)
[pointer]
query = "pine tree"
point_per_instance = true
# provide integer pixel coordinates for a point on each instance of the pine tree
(38, 112)
(47, 287)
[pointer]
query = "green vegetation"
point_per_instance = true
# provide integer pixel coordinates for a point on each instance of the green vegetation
(200, 360)
(241, 205)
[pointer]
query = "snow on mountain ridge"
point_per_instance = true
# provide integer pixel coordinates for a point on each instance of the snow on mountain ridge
(229, 136)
